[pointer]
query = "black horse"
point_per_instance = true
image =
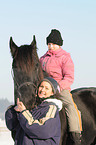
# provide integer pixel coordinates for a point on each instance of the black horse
(27, 74)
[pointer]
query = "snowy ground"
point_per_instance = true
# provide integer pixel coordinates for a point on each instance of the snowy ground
(5, 135)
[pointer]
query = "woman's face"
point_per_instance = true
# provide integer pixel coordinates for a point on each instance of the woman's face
(53, 47)
(45, 90)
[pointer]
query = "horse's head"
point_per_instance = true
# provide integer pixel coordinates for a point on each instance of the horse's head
(27, 72)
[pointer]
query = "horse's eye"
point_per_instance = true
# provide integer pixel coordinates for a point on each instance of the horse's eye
(14, 64)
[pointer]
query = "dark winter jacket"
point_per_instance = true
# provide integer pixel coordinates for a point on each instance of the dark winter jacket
(41, 126)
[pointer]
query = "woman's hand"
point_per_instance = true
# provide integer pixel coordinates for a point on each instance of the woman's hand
(20, 106)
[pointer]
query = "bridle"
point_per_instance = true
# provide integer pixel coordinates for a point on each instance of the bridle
(23, 84)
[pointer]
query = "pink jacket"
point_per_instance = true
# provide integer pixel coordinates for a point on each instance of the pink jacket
(59, 65)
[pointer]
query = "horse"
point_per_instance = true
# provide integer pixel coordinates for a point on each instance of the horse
(27, 74)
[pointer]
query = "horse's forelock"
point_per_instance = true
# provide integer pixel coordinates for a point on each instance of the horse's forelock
(25, 58)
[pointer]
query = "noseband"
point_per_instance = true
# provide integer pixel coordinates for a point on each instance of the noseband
(23, 84)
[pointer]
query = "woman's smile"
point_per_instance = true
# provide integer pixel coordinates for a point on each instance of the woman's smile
(45, 90)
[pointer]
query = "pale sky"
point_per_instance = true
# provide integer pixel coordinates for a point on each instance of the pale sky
(75, 19)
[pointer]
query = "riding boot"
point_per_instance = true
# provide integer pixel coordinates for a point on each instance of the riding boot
(74, 138)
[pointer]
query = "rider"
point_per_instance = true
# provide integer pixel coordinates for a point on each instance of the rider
(41, 126)
(59, 65)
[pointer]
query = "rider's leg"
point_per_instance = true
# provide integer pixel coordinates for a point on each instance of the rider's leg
(73, 116)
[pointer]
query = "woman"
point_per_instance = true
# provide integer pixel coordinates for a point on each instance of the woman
(41, 126)
(59, 65)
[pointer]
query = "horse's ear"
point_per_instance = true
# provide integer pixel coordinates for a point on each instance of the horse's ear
(34, 41)
(13, 47)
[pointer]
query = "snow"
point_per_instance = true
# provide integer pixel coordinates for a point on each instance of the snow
(5, 134)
